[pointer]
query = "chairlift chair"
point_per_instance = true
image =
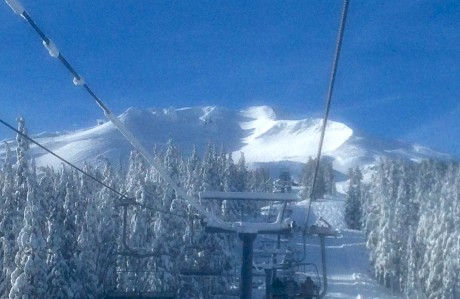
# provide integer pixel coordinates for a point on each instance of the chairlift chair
(297, 285)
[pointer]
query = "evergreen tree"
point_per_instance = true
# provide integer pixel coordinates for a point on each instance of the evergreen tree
(14, 195)
(325, 179)
(169, 230)
(59, 279)
(329, 177)
(86, 268)
(230, 209)
(29, 278)
(193, 174)
(22, 165)
(353, 204)
(242, 174)
(107, 232)
(210, 170)
(8, 230)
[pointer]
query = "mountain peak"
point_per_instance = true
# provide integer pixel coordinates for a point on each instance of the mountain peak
(259, 112)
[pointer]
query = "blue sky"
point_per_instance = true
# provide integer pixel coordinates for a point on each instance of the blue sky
(399, 74)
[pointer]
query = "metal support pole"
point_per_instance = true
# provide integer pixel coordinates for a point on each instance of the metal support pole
(268, 283)
(246, 265)
(323, 261)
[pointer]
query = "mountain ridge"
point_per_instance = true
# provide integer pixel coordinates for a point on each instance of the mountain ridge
(256, 131)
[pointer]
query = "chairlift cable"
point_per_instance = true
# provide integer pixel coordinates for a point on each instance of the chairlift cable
(131, 200)
(335, 63)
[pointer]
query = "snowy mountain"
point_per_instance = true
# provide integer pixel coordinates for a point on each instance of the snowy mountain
(256, 131)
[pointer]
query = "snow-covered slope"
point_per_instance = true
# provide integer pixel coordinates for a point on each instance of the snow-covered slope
(349, 274)
(347, 259)
(256, 131)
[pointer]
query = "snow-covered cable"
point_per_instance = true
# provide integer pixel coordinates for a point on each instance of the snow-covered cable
(335, 63)
(16, 6)
(52, 49)
(78, 81)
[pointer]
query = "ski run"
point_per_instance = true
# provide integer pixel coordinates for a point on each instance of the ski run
(349, 272)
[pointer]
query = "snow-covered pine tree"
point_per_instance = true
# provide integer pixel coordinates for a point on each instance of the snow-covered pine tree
(58, 277)
(222, 167)
(248, 208)
(70, 229)
(375, 222)
(444, 264)
(108, 231)
(86, 269)
(210, 178)
(353, 204)
(14, 194)
(307, 175)
(242, 174)
(8, 231)
(171, 162)
(429, 230)
(169, 231)
(129, 277)
(168, 244)
(329, 177)
(230, 209)
(193, 174)
(210, 170)
(217, 246)
(22, 163)
(29, 278)
(22, 166)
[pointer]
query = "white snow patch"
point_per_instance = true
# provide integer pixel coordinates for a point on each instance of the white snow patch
(293, 140)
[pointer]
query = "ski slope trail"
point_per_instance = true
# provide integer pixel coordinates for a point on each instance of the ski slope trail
(348, 270)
